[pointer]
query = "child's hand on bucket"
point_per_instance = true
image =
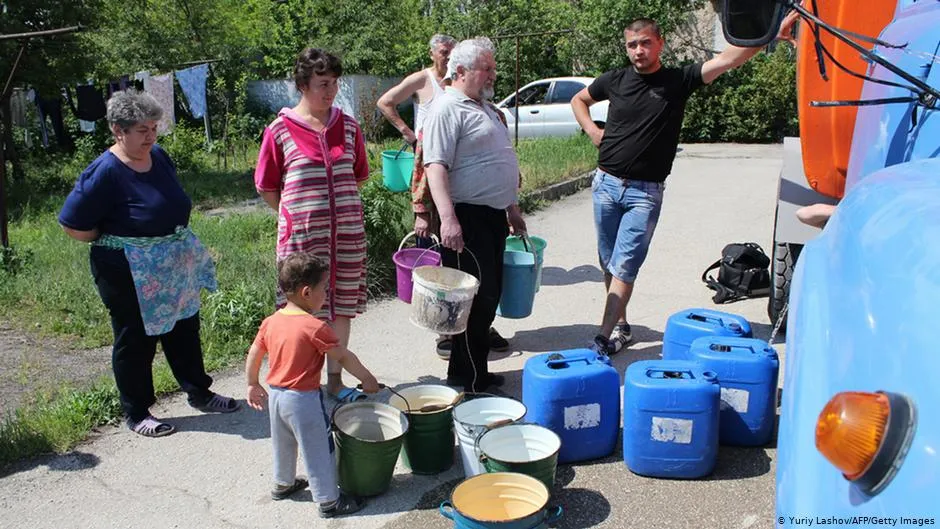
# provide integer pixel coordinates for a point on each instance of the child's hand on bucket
(257, 396)
(370, 385)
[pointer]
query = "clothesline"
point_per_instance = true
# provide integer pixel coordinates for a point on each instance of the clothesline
(90, 106)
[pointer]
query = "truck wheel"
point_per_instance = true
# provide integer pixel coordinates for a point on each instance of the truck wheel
(785, 256)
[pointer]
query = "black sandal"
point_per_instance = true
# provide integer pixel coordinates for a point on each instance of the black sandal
(342, 506)
(281, 492)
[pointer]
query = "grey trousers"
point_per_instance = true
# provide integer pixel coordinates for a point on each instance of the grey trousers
(298, 419)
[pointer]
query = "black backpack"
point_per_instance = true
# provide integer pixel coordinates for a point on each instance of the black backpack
(743, 272)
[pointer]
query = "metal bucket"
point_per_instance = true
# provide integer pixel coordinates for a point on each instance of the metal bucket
(502, 500)
(524, 448)
(441, 299)
(474, 417)
(368, 439)
(429, 444)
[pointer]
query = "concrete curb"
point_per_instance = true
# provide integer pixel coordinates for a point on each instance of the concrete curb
(561, 189)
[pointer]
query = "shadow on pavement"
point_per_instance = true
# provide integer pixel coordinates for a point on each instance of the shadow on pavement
(70, 462)
(247, 423)
(557, 276)
(582, 508)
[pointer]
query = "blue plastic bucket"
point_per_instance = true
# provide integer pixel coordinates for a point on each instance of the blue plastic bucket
(397, 167)
(532, 244)
(520, 273)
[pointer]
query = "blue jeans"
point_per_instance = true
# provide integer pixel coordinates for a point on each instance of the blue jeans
(625, 214)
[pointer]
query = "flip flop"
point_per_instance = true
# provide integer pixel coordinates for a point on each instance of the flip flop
(348, 395)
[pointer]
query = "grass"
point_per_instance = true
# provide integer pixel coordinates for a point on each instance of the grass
(45, 284)
(542, 161)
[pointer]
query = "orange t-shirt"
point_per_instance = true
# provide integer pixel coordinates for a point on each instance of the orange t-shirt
(296, 343)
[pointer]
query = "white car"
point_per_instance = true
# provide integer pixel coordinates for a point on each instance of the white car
(545, 108)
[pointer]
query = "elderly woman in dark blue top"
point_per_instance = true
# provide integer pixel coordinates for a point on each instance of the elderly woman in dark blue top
(148, 266)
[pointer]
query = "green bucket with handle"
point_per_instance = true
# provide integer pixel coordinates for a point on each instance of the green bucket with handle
(397, 167)
(523, 448)
(430, 442)
(368, 438)
(528, 243)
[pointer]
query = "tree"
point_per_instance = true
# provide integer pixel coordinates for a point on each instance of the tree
(45, 62)
(598, 45)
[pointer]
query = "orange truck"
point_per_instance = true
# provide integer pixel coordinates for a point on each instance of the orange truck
(815, 164)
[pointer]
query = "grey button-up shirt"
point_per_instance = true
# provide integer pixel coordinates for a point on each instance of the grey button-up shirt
(470, 140)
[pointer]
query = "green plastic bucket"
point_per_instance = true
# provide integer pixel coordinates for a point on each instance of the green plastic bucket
(535, 245)
(397, 167)
(368, 438)
(429, 444)
(527, 449)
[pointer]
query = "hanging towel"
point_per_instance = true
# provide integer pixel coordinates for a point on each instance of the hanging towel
(193, 82)
(18, 104)
(161, 88)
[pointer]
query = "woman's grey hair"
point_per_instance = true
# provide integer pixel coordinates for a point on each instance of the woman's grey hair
(439, 39)
(466, 54)
(130, 107)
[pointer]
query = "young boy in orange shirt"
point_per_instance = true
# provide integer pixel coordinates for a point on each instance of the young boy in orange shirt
(296, 344)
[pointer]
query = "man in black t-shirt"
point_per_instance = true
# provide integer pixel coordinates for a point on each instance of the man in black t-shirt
(637, 148)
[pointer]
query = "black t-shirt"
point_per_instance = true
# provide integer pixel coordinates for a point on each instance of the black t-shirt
(644, 119)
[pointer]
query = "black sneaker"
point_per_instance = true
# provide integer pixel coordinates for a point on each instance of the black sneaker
(498, 344)
(342, 506)
(602, 346)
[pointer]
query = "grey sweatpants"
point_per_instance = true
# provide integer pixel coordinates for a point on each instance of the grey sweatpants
(299, 419)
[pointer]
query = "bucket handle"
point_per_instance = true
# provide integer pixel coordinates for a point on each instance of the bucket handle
(435, 245)
(412, 232)
(554, 514)
(526, 243)
(397, 394)
(403, 147)
(359, 386)
(491, 426)
(446, 509)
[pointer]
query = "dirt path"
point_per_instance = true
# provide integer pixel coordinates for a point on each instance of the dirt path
(31, 366)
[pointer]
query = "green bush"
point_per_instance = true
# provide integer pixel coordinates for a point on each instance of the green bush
(755, 103)
(186, 146)
(388, 218)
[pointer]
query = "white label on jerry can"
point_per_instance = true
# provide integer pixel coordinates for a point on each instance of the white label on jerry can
(584, 416)
(736, 399)
(669, 430)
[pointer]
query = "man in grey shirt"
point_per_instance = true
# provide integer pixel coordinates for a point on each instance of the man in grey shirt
(473, 173)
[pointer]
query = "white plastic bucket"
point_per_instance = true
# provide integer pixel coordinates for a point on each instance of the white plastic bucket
(473, 418)
(441, 299)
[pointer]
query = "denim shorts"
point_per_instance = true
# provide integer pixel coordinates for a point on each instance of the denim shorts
(625, 214)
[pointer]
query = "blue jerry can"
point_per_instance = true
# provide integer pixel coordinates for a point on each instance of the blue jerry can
(576, 394)
(670, 419)
(747, 370)
(685, 326)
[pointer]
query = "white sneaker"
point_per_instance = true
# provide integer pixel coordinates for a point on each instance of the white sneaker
(621, 336)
